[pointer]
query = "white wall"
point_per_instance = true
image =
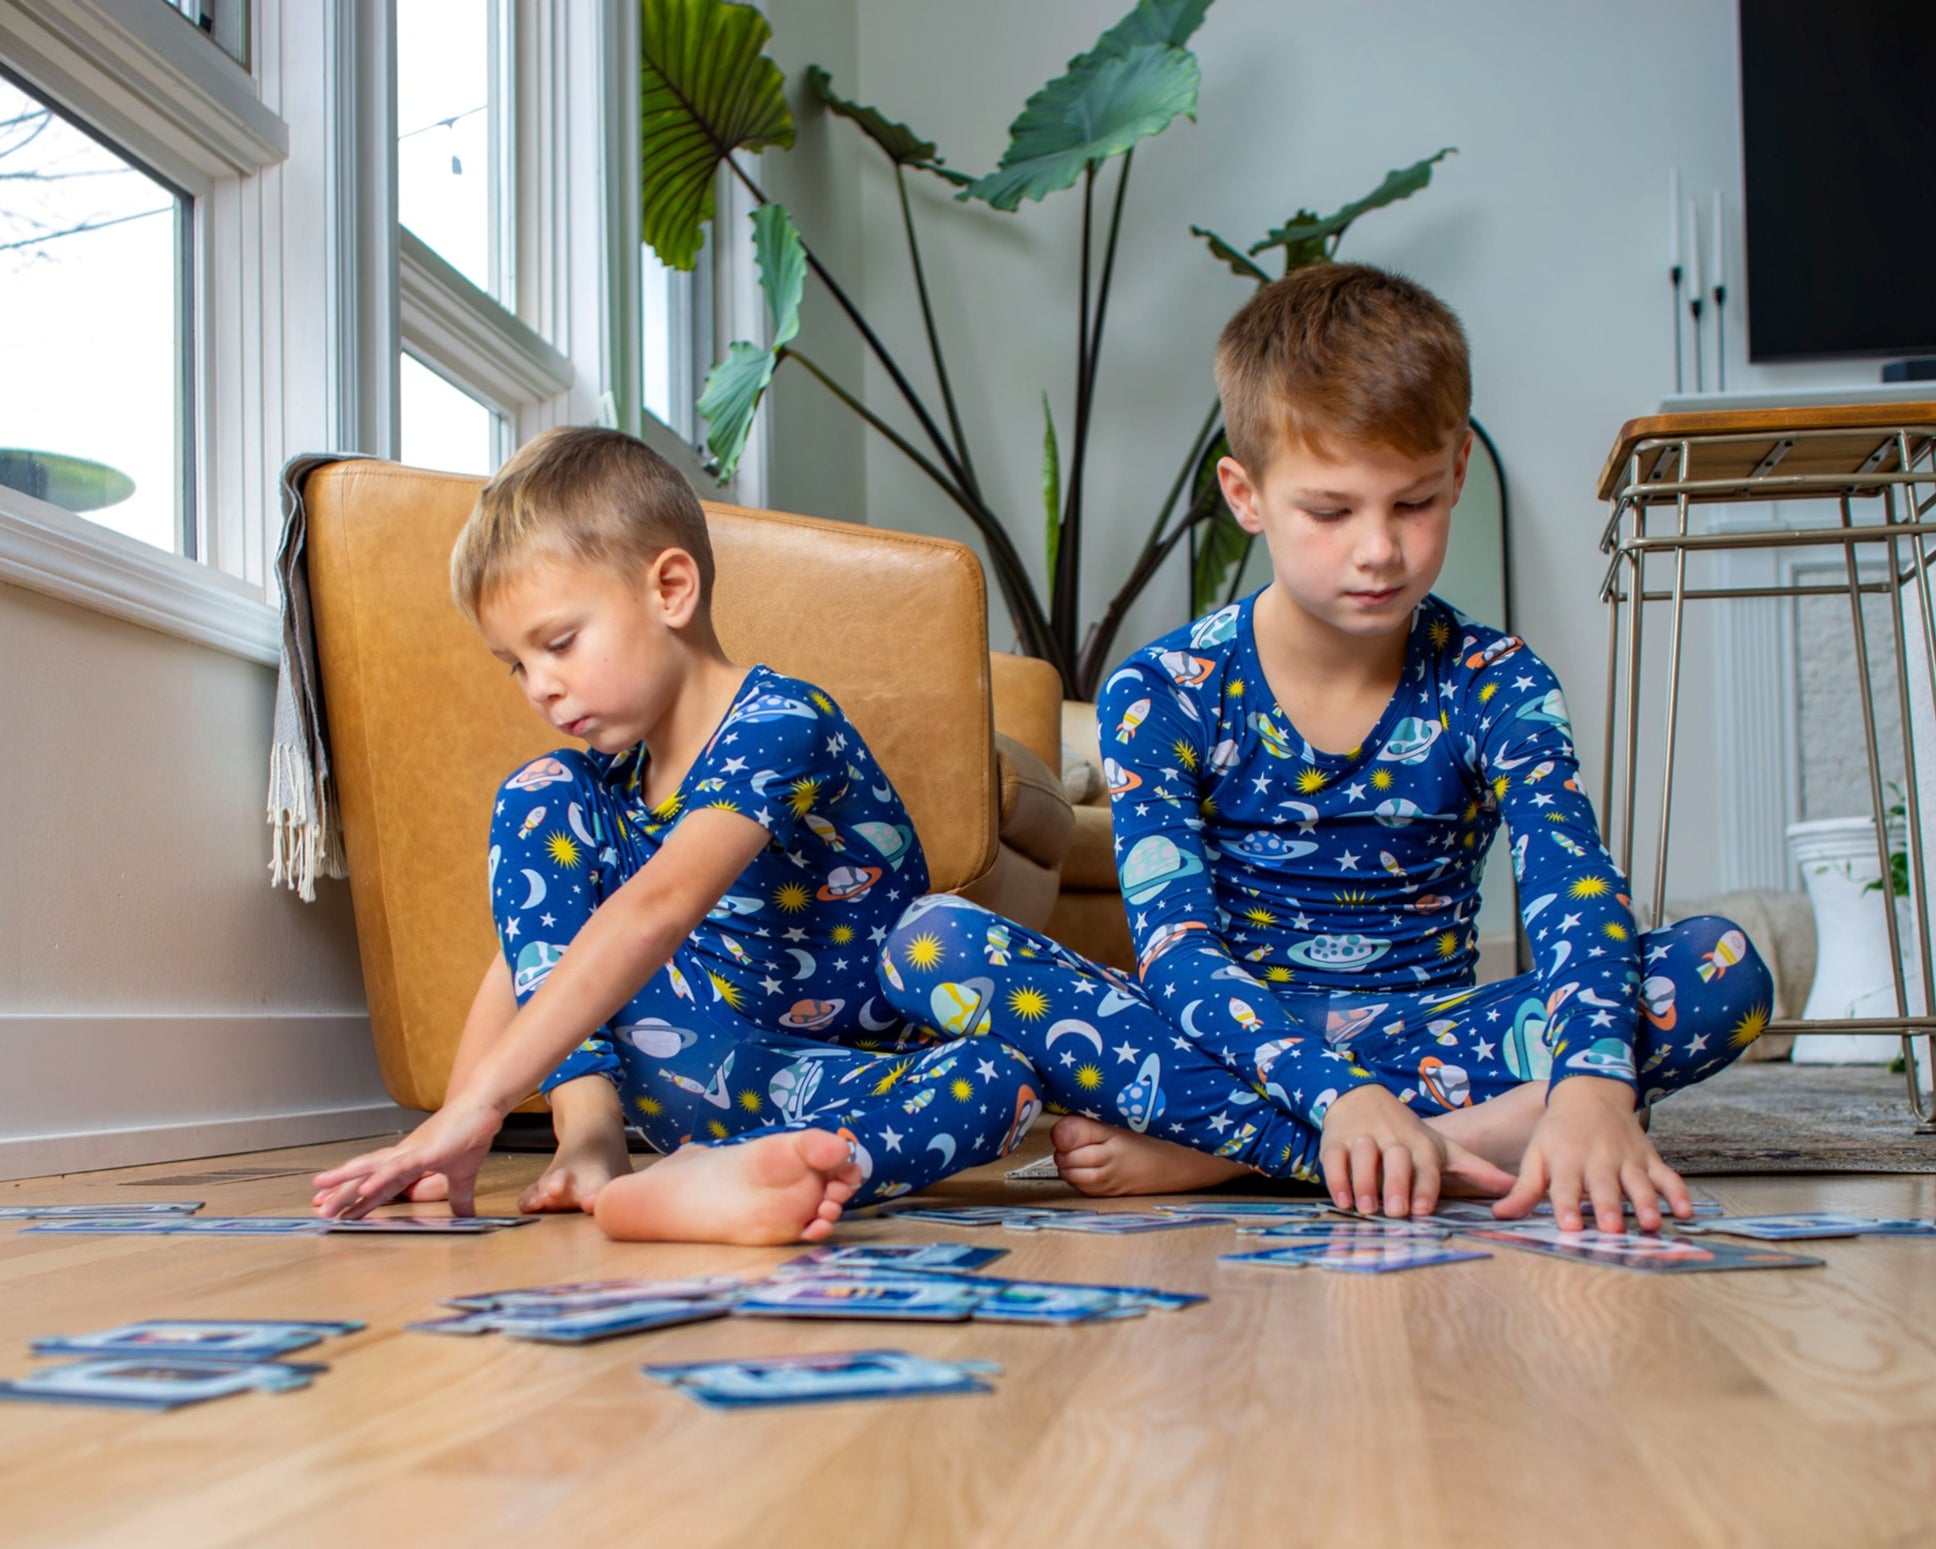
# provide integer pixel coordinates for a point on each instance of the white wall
(1546, 232)
(157, 1000)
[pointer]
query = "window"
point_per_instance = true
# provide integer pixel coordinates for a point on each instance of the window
(443, 426)
(96, 402)
(225, 21)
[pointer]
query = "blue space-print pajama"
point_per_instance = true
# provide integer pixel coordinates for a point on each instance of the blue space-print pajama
(770, 1014)
(1303, 920)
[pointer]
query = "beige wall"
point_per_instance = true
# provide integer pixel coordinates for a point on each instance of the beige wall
(156, 997)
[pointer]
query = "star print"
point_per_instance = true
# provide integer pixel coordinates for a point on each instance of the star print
(547, 920)
(840, 964)
(1068, 1058)
(1180, 1042)
(1522, 682)
(986, 1070)
(511, 929)
(1124, 1052)
(1655, 954)
(1262, 782)
(771, 986)
(891, 1140)
(1567, 922)
(1695, 1045)
(1601, 1019)
(1220, 1123)
(1300, 921)
(796, 934)
(1355, 791)
(1482, 1050)
(1347, 862)
(733, 766)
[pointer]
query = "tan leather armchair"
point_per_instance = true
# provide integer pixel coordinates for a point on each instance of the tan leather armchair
(424, 724)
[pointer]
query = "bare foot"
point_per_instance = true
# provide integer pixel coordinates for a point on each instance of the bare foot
(576, 1175)
(780, 1188)
(1497, 1130)
(1099, 1159)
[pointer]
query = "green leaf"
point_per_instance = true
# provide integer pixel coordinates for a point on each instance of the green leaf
(735, 386)
(1219, 546)
(1240, 266)
(1135, 80)
(1308, 238)
(1051, 487)
(705, 91)
(903, 146)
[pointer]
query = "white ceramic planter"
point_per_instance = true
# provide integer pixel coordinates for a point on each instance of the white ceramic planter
(1838, 862)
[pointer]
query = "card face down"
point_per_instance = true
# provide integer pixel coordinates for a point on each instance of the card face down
(126, 1212)
(942, 1256)
(1252, 1210)
(966, 1215)
(928, 1300)
(581, 1328)
(1376, 1257)
(1643, 1251)
(1806, 1225)
(585, 1295)
(184, 1226)
(1113, 1223)
(820, 1379)
(185, 1339)
(1346, 1231)
(148, 1383)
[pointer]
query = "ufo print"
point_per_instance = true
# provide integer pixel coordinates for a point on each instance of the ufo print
(1152, 864)
(538, 774)
(1267, 846)
(891, 839)
(1410, 741)
(809, 1016)
(1219, 627)
(773, 707)
(1340, 954)
(845, 884)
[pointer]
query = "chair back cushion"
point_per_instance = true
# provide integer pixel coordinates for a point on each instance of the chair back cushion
(424, 724)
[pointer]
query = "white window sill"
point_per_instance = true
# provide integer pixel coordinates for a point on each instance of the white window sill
(52, 551)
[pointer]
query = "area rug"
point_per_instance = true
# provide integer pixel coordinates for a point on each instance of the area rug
(1782, 1118)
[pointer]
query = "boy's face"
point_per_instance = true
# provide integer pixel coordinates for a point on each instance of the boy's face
(598, 658)
(1356, 533)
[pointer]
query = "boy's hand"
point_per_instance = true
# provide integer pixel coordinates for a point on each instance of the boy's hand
(1370, 1136)
(1589, 1146)
(453, 1141)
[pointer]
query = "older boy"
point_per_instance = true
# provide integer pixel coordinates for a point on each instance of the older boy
(1304, 787)
(689, 913)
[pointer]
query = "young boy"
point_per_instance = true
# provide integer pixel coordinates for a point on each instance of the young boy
(690, 912)
(1304, 786)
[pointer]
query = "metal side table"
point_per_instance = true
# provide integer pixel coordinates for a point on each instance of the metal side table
(1878, 463)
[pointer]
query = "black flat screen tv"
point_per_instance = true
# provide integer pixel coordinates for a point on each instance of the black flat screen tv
(1838, 137)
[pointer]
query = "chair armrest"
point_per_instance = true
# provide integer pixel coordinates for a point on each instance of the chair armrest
(1036, 818)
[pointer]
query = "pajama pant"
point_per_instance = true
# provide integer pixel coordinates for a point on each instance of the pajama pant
(1124, 1061)
(912, 1107)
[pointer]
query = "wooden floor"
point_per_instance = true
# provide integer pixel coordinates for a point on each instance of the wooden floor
(1513, 1401)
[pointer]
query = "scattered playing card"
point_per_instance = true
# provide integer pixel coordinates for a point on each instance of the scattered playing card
(220, 1175)
(581, 1328)
(416, 1226)
(585, 1295)
(178, 1225)
(1038, 1302)
(182, 1339)
(1112, 1223)
(1808, 1225)
(1041, 1170)
(146, 1383)
(811, 1296)
(1642, 1250)
(1376, 1257)
(966, 1215)
(1252, 1210)
(885, 1255)
(819, 1379)
(180, 1207)
(1346, 1231)
(1456, 1213)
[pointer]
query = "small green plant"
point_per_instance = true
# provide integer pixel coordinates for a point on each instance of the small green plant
(708, 91)
(1897, 881)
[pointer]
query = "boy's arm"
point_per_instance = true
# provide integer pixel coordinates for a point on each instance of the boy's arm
(1189, 970)
(627, 940)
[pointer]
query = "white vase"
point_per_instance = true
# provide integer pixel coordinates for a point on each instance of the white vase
(1839, 865)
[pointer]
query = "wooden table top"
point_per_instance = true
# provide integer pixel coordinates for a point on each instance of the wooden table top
(1840, 439)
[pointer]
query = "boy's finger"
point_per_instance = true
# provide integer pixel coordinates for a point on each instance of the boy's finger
(1364, 1174)
(1609, 1204)
(1335, 1163)
(463, 1193)
(1525, 1193)
(1646, 1198)
(1398, 1181)
(1564, 1189)
(1425, 1183)
(1477, 1171)
(355, 1167)
(1669, 1183)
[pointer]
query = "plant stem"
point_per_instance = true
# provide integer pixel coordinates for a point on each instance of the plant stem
(1065, 588)
(1010, 575)
(970, 482)
(1095, 650)
(1108, 270)
(913, 399)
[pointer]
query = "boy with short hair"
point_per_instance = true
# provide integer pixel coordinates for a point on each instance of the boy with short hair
(689, 912)
(1304, 786)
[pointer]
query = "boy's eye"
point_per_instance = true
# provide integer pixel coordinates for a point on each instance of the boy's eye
(1325, 516)
(1415, 505)
(562, 643)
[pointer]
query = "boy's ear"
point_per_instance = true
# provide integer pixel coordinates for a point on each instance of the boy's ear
(674, 581)
(1240, 494)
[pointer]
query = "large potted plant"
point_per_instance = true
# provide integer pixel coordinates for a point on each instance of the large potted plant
(709, 91)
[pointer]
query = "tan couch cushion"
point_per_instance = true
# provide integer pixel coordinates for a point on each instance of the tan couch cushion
(424, 724)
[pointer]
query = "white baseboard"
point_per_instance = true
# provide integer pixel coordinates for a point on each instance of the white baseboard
(84, 1091)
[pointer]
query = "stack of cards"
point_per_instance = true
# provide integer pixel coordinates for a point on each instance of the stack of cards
(179, 1207)
(165, 1363)
(820, 1379)
(1645, 1251)
(1813, 1224)
(124, 1223)
(584, 1311)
